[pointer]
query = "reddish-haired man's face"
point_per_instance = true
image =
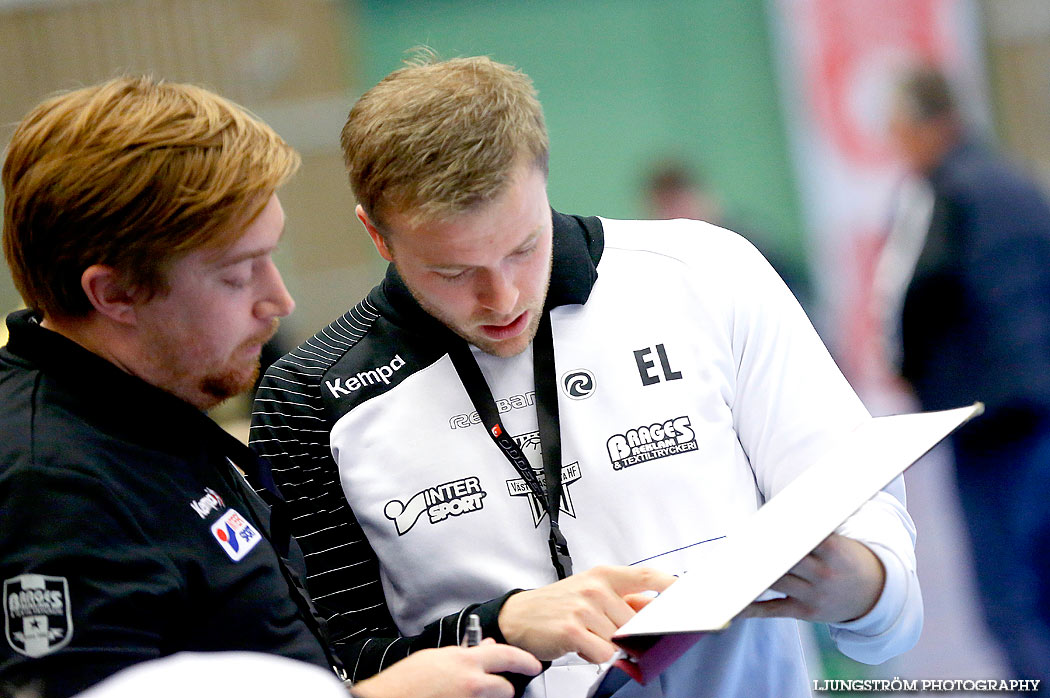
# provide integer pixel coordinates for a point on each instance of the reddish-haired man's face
(205, 334)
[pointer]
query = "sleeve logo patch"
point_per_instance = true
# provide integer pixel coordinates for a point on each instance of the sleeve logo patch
(235, 535)
(37, 616)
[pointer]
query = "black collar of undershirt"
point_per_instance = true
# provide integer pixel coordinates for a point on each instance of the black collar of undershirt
(577, 242)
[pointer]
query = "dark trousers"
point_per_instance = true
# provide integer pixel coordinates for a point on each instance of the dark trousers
(1004, 490)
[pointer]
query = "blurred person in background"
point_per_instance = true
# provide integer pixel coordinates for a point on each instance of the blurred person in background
(673, 189)
(140, 219)
(964, 283)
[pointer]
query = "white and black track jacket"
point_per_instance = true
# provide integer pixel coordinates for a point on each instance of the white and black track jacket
(692, 389)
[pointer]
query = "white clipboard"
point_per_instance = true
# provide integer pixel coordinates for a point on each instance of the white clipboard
(769, 543)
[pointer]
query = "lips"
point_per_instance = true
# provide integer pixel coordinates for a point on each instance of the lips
(255, 344)
(511, 329)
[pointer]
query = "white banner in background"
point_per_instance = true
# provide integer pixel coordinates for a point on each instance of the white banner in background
(836, 61)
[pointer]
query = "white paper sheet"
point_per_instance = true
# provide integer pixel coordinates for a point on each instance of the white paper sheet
(725, 577)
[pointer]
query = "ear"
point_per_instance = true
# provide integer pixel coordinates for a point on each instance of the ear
(373, 232)
(110, 295)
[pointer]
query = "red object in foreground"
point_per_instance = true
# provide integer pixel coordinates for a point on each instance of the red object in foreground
(649, 655)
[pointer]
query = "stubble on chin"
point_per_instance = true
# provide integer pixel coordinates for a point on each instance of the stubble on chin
(515, 345)
(220, 387)
(503, 350)
(234, 380)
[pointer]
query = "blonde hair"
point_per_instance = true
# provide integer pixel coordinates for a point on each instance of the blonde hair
(436, 139)
(130, 173)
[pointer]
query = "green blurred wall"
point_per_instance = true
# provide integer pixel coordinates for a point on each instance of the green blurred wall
(622, 83)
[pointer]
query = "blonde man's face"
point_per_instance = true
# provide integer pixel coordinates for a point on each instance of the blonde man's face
(483, 274)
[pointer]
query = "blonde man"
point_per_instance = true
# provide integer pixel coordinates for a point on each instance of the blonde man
(644, 384)
(139, 225)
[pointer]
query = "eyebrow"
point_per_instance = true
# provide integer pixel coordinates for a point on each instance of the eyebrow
(250, 254)
(530, 240)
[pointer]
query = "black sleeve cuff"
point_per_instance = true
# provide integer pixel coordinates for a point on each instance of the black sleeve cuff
(489, 612)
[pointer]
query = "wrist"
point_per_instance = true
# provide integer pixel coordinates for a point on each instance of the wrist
(490, 613)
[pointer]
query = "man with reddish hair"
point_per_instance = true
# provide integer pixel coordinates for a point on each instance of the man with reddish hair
(140, 222)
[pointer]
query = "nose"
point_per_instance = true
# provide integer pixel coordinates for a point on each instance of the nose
(276, 301)
(498, 293)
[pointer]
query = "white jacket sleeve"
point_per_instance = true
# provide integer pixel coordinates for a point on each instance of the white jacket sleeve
(894, 624)
(790, 401)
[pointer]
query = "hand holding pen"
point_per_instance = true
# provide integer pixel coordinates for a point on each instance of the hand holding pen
(472, 635)
(467, 671)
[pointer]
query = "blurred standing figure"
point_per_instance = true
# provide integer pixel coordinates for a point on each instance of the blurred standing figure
(971, 256)
(675, 190)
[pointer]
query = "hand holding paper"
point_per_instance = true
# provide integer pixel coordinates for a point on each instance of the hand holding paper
(839, 581)
(580, 613)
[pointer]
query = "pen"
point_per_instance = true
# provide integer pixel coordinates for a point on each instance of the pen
(472, 637)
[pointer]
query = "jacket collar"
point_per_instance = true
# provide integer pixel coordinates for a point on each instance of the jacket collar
(114, 401)
(577, 243)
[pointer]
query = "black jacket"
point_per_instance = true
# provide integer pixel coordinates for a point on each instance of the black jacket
(117, 541)
(976, 317)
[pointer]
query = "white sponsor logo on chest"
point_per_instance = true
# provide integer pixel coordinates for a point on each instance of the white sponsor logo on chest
(440, 502)
(504, 405)
(379, 374)
(646, 443)
(208, 503)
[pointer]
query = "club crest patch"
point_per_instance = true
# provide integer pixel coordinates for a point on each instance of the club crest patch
(235, 535)
(529, 443)
(37, 615)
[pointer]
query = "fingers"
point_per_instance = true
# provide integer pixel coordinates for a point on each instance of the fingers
(612, 612)
(835, 551)
(594, 617)
(451, 672)
(578, 614)
(605, 624)
(595, 649)
(638, 601)
(492, 687)
(793, 585)
(625, 583)
(630, 580)
(616, 594)
(840, 580)
(830, 547)
(777, 608)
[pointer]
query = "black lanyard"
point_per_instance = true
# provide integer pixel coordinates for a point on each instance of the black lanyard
(280, 538)
(548, 492)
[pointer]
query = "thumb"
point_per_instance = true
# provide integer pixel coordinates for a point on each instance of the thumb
(638, 601)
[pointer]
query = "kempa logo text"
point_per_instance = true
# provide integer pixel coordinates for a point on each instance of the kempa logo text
(376, 375)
